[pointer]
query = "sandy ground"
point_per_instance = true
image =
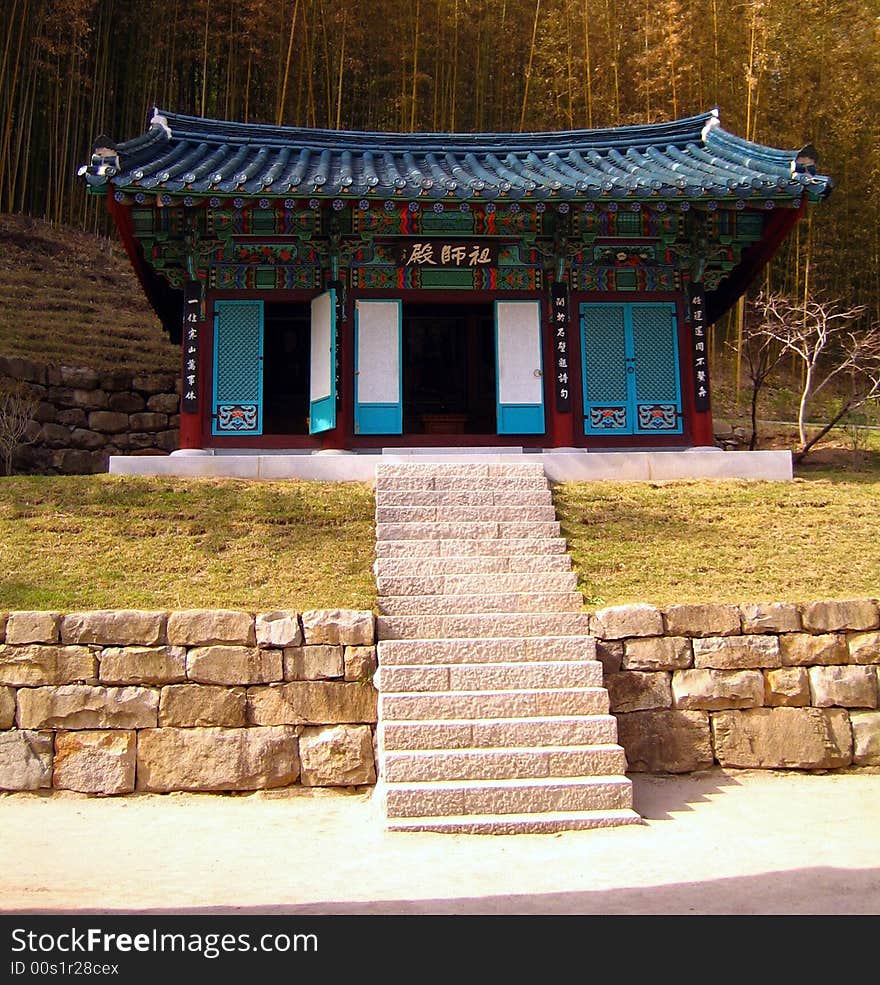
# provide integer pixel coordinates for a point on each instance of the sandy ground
(743, 842)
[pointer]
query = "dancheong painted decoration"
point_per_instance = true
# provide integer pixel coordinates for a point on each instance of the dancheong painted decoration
(335, 289)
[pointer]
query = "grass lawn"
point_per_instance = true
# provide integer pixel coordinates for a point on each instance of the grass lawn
(87, 542)
(814, 538)
(93, 542)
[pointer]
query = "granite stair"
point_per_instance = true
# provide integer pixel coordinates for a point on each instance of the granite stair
(493, 717)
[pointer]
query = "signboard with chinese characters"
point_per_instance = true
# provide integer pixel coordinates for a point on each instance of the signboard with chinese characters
(699, 347)
(559, 314)
(447, 253)
(192, 300)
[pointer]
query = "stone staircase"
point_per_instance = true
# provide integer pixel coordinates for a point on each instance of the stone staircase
(492, 713)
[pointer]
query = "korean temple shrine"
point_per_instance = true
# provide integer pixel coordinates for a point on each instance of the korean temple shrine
(352, 291)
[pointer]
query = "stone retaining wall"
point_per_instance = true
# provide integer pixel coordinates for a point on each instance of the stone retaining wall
(757, 686)
(83, 417)
(109, 702)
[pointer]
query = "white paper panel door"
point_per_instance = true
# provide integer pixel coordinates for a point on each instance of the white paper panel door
(519, 367)
(378, 402)
(322, 382)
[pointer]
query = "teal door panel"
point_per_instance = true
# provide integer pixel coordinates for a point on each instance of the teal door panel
(238, 368)
(629, 361)
(322, 378)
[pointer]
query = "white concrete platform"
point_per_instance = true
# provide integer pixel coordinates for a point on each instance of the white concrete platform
(560, 465)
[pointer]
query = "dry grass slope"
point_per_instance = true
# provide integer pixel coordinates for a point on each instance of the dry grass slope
(70, 298)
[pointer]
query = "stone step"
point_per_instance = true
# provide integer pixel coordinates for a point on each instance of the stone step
(540, 703)
(485, 624)
(515, 762)
(486, 650)
(489, 676)
(464, 530)
(454, 547)
(503, 496)
(432, 474)
(414, 605)
(459, 797)
(465, 514)
(474, 564)
(547, 822)
(490, 584)
(556, 730)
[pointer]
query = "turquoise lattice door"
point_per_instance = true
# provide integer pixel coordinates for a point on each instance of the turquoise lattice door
(238, 367)
(629, 360)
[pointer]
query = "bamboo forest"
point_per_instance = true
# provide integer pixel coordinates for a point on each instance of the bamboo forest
(781, 73)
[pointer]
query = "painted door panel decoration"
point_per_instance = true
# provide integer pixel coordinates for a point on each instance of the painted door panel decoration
(519, 367)
(238, 368)
(378, 380)
(630, 367)
(322, 378)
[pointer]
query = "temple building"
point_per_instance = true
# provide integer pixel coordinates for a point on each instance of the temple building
(337, 290)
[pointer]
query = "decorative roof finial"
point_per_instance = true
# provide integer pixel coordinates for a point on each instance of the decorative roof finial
(157, 120)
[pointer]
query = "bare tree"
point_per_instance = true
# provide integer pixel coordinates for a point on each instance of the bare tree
(832, 350)
(760, 354)
(17, 408)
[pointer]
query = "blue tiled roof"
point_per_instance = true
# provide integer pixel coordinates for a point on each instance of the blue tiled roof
(691, 158)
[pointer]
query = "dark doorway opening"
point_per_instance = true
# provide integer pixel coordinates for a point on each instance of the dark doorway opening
(448, 369)
(286, 359)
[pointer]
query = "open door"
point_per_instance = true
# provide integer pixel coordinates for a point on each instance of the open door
(378, 376)
(238, 368)
(322, 383)
(519, 367)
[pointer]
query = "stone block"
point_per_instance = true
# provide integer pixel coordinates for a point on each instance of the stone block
(83, 438)
(142, 665)
(830, 616)
(151, 383)
(164, 403)
(702, 620)
(32, 627)
(665, 741)
(360, 663)
(706, 690)
(233, 665)
(192, 705)
(25, 760)
(843, 687)
(610, 654)
(787, 687)
(802, 650)
(126, 402)
(278, 628)
(74, 417)
(313, 663)
(80, 706)
(352, 627)
(312, 703)
(148, 421)
(108, 421)
(7, 707)
(203, 627)
(81, 377)
(631, 690)
(770, 617)
(168, 440)
(658, 653)
(78, 461)
(620, 621)
(114, 627)
(337, 756)
(737, 652)
(95, 762)
(782, 738)
(864, 648)
(866, 737)
(45, 413)
(54, 435)
(39, 663)
(213, 759)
